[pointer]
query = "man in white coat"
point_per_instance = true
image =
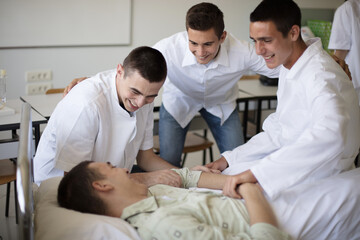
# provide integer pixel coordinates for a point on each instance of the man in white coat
(314, 132)
(108, 118)
(344, 38)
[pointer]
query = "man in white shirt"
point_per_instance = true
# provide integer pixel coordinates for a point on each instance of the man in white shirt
(108, 118)
(344, 38)
(314, 132)
(204, 66)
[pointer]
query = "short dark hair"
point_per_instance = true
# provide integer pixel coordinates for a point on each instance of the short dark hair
(284, 14)
(148, 62)
(75, 190)
(204, 16)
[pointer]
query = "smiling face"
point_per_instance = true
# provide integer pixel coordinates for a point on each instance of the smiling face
(272, 45)
(118, 177)
(134, 91)
(205, 45)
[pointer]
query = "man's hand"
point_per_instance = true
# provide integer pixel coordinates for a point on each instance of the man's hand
(72, 84)
(219, 164)
(168, 177)
(343, 65)
(204, 169)
(232, 183)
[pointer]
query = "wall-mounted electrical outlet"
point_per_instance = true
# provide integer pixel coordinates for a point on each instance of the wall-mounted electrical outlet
(37, 88)
(39, 75)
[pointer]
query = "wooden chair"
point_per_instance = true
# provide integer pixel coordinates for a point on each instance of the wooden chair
(8, 175)
(193, 143)
(55, 90)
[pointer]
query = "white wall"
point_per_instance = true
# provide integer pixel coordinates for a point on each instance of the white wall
(152, 20)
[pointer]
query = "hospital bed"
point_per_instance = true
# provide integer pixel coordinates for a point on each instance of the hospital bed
(328, 209)
(24, 176)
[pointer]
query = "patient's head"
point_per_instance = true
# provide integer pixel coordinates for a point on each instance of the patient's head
(99, 188)
(75, 190)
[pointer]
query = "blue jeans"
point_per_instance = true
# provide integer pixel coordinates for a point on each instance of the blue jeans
(172, 136)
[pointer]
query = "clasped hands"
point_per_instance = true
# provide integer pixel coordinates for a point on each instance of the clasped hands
(233, 186)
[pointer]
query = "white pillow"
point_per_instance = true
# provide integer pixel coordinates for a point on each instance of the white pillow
(54, 222)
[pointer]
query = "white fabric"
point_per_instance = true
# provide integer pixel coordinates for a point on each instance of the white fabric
(345, 35)
(191, 86)
(326, 209)
(56, 223)
(314, 132)
(89, 124)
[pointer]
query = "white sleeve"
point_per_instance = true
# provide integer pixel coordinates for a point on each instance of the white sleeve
(320, 149)
(246, 155)
(340, 37)
(76, 131)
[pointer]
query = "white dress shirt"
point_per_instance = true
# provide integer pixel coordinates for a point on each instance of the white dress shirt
(191, 86)
(90, 124)
(314, 132)
(345, 35)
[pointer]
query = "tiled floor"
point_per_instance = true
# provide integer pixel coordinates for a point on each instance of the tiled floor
(8, 226)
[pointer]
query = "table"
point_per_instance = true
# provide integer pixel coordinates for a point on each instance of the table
(12, 122)
(43, 104)
(259, 93)
(256, 89)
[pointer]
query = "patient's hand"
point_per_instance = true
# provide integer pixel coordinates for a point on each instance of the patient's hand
(219, 164)
(232, 183)
(72, 84)
(343, 65)
(204, 169)
(167, 176)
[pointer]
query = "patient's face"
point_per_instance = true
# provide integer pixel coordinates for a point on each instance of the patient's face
(134, 91)
(118, 177)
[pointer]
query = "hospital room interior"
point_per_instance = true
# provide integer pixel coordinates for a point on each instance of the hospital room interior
(46, 44)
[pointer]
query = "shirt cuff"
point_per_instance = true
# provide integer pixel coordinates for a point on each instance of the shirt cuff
(189, 178)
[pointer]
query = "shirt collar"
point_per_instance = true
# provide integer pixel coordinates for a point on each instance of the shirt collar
(146, 205)
(314, 47)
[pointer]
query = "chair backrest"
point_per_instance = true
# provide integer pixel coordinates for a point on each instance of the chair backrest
(55, 90)
(24, 176)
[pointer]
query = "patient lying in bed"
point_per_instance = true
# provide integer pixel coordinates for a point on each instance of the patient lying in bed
(164, 212)
(328, 209)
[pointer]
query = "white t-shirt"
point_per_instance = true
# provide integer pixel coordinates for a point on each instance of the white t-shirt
(345, 35)
(191, 86)
(89, 124)
(314, 132)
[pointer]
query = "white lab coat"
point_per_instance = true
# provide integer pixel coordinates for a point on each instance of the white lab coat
(90, 124)
(314, 132)
(345, 35)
